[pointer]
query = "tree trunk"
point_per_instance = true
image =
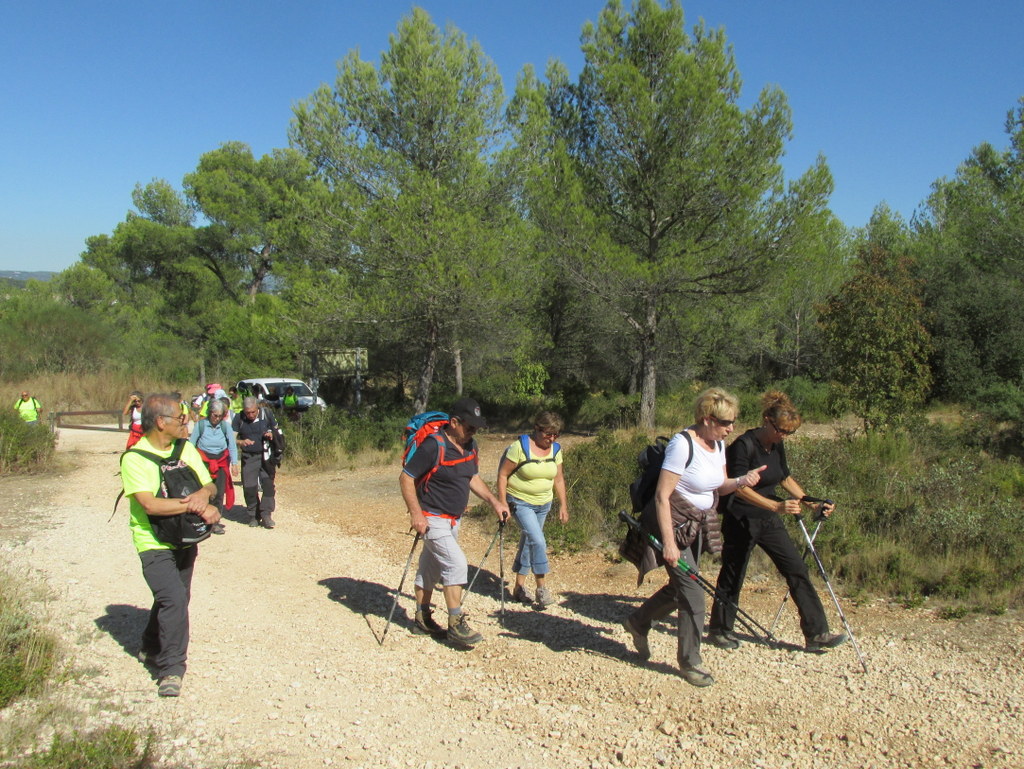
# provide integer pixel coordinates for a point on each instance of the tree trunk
(457, 354)
(648, 366)
(427, 372)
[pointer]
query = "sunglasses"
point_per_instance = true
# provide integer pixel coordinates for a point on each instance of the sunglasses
(724, 422)
(779, 430)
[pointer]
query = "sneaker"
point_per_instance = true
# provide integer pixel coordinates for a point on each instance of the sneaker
(146, 657)
(696, 676)
(218, 528)
(825, 641)
(460, 633)
(255, 523)
(639, 639)
(268, 521)
(425, 624)
(522, 595)
(723, 639)
(544, 597)
(169, 686)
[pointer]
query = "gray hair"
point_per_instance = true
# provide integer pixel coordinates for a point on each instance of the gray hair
(249, 402)
(216, 407)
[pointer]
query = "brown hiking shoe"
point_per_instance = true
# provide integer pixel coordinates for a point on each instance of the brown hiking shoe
(460, 633)
(639, 639)
(425, 624)
(169, 686)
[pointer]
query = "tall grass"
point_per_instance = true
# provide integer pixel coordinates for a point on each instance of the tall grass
(29, 654)
(332, 437)
(23, 447)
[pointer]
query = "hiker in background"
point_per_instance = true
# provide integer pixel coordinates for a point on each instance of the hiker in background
(529, 478)
(235, 400)
(692, 476)
(28, 408)
(186, 409)
(254, 428)
(215, 440)
(133, 410)
(167, 569)
(753, 516)
(435, 485)
(290, 404)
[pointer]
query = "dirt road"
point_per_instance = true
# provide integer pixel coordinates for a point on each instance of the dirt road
(285, 668)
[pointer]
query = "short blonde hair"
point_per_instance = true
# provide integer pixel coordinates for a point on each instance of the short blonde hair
(716, 402)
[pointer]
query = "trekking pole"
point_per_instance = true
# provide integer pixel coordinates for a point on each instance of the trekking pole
(398, 592)
(501, 564)
(819, 518)
(483, 560)
(688, 571)
(828, 584)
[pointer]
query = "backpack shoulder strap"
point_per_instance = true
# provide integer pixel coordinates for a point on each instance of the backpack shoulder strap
(689, 442)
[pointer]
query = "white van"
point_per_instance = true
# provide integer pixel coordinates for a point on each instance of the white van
(271, 389)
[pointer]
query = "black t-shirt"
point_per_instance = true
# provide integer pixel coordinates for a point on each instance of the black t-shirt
(254, 430)
(447, 490)
(746, 453)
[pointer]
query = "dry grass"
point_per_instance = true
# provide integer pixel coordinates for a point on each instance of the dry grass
(92, 392)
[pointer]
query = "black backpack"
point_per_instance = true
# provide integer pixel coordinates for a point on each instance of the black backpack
(177, 480)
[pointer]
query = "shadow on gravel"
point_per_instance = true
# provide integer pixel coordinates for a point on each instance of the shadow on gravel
(124, 624)
(371, 599)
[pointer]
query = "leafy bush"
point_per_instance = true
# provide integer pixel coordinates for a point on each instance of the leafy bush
(23, 447)
(609, 411)
(331, 436)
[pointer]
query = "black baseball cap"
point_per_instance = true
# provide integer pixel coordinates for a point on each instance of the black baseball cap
(468, 410)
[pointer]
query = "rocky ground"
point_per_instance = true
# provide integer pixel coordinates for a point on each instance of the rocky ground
(286, 668)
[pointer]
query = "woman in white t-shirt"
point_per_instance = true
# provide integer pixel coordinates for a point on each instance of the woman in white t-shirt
(692, 476)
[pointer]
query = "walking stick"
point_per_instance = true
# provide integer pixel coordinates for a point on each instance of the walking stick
(688, 571)
(501, 563)
(398, 592)
(824, 576)
(483, 560)
(819, 517)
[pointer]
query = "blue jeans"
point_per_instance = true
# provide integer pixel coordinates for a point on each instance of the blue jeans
(532, 554)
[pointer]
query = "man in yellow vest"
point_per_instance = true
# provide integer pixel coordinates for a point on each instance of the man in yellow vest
(28, 408)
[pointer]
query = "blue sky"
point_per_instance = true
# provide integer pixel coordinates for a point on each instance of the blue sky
(98, 96)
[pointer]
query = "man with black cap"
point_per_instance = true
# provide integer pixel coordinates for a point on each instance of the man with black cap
(435, 485)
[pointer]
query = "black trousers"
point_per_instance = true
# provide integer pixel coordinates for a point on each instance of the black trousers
(741, 534)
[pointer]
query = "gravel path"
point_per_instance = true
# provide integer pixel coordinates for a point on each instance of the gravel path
(285, 668)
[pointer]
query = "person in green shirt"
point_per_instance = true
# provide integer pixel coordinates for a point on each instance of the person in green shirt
(28, 408)
(166, 569)
(290, 404)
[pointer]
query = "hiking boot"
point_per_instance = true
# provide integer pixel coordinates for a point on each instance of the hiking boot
(255, 523)
(460, 633)
(723, 639)
(825, 641)
(696, 676)
(169, 686)
(639, 639)
(425, 624)
(268, 521)
(544, 597)
(218, 528)
(146, 657)
(522, 595)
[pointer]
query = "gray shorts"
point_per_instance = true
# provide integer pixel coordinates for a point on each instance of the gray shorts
(442, 560)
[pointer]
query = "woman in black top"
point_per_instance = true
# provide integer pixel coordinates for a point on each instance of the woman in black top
(753, 517)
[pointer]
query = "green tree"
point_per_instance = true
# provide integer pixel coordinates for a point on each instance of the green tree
(658, 188)
(420, 221)
(875, 340)
(969, 246)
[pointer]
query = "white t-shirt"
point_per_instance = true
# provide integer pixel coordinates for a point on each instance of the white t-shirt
(697, 483)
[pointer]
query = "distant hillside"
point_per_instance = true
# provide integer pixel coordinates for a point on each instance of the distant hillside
(20, 277)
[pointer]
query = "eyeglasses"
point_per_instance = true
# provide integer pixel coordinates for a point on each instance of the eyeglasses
(724, 422)
(546, 434)
(180, 418)
(779, 430)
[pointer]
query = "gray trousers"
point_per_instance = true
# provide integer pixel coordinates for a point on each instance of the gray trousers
(169, 576)
(258, 474)
(687, 596)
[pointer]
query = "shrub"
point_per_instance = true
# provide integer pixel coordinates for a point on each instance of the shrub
(24, 447)
(28, 653)
(331, 436)
(113, 747)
